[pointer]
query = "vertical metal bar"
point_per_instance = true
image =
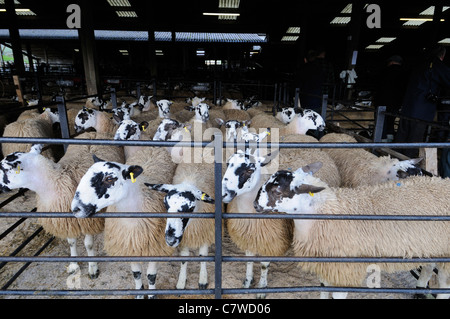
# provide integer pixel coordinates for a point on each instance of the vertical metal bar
(377, 134)
(220, 92)
(218, 213)
(297, 94)
(215, 92)
(63, 122)
(138, 90)
(274, 107)
(113, 98)
(324, 106)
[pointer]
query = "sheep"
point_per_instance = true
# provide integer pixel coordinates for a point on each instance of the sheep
(299, 192)
(190, 233)
(265, 237)
(200, 122)
(360, 167)
(103, 122)
(231, 128)
(54, 185)
(121, 188)
(285, 114)
(303, 121)
(233, 105)
(38, 126)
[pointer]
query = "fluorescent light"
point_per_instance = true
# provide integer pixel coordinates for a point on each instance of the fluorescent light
(341, 20)
(430, 11)
(200, 52)
(22, 12)
(445, 41)
(119, 3)
(374, 46)
(122, 51)
(126, 14)
(289, 38)
(347, 9)
(418, 19)
(229, 4)
(385, 40)
(221, 14)
(293, 30)
(76, 50)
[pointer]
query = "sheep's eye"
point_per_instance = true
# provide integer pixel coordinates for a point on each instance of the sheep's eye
(110, 180)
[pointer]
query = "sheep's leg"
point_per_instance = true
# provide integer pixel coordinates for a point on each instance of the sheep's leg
(263, 278)
(137, 275)
(203, 276)
(181, 284)
(93, 267)
(425, 276)
(249, 271)
(73, 266)
(151, 276)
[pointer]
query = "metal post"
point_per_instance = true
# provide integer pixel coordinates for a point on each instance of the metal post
(138, 90)
(324, 106)
(377, 134)
(113, 98)
(218, 213)
(296, 101)
(63, 122)
(215, 93)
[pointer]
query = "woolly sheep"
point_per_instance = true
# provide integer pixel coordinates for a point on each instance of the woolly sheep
(55, 184)
(100, 121)
(265, 237)
(188, 196)
(303, 121)
(360, 167)
(285, 114)
(122, 189)
(39, 126)
(300, 192)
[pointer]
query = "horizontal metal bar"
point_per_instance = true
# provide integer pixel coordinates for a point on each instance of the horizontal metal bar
(230, 216)
(53, 259)
(36, 140)
(336, 289)
(110, 292)
(134, 292)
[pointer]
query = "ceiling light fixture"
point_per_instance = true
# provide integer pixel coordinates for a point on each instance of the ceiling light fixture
(221, 14)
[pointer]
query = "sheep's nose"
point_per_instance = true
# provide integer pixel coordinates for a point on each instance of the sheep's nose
(258, 207)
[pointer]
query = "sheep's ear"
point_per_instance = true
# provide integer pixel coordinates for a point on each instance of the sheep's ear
(220, 121)
(132, 172)
(117, 118)
(36, 148)
(189, 108)
(159, 187)
(96, 159)
(188, 126)
(143, 126)
(206, 198)
(413, 161)
(269, 158)
(312, 168)
(246, 122)
(308, 189)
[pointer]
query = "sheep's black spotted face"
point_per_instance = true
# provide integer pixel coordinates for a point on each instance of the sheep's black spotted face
(202, 112)
(122, 113)
(165, 129)
(10, 169)
(85, 119)
(103, 184)
(232, 127)
(128, 130)
(287, 114)
(164, 108)
(241, 176)
(311, 119)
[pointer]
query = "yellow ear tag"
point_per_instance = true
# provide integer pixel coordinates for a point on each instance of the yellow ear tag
(185, 128)
(18, 169)
(133, 180)
(143, 128)
(268, 133)
(203, 196)
(311, 194)
(43, 109)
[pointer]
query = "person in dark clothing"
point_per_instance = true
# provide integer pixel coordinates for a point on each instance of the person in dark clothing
(392, 86)
(311, 80)
(426, 81)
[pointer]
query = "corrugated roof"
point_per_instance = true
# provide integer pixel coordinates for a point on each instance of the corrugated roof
(219, 37)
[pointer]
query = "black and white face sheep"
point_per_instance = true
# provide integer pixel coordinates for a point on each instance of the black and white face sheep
(232, 127)
(311, 120)
(103, 185)
(166, 129)
(129, 130)
(285, 114)
(164, 108)
(180, 198)
(201, 112)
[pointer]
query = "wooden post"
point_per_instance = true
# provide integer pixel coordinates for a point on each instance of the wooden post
(429, 162)
(18, 89)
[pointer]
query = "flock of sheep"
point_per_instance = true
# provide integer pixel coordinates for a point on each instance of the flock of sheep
(91, 178)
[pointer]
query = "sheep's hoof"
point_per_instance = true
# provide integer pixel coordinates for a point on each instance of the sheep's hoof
(151, 296)
(73, 268)
(94, 275)
(139, 297)
(247, 283)
(202, 286)
(423, 296)
(260, 296)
